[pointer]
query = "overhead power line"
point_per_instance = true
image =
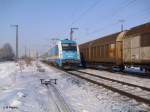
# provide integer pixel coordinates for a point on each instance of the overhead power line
(86, 11)
(82, 14)
(127, 4)
(122, 8)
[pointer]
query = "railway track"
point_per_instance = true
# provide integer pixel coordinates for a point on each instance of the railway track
(59, 103)
(58, 100)
(139, 93)
(124, 72)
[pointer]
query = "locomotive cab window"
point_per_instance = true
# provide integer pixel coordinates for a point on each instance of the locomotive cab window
(69, 46)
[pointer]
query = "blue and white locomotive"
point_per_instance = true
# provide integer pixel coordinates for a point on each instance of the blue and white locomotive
(64, 54)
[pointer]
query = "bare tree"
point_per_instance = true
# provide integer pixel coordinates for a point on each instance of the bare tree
(1, 54)
(6, 52)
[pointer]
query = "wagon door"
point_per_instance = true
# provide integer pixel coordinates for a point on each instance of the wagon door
(131, 50)
(135, 49)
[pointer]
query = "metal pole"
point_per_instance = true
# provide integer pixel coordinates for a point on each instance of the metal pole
(29, 52)
(71, 32)
(25, 52)
(122, 27)
(37, 54)
(122, 21)
(16, 26)
(17, 56)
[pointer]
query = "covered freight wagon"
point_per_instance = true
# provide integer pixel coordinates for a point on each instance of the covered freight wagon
(130, 48)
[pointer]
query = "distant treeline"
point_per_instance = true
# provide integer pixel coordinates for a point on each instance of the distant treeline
(6, 53)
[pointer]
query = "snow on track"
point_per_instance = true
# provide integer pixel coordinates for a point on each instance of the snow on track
(83, 96)
(139, 93)
(126, 78)
(58, 99)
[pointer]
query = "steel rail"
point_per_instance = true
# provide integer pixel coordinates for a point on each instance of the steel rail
(130, 95)
(110, 79)
(62, 106)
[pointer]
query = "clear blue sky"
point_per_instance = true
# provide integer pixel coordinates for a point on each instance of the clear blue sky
(41, 20)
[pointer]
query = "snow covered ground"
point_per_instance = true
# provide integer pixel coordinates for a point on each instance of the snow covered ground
(83, 96)
(21, 91)
(6, 69)
(126, 78)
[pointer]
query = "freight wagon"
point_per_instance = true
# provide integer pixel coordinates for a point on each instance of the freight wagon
(127, 48)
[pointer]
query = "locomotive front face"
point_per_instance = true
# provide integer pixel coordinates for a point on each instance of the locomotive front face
(70, 54)
(69, 51)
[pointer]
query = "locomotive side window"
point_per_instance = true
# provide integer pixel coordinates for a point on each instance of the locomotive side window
(145, 40)
(54, 51)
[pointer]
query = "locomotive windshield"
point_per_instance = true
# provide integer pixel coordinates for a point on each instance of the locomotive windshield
(69, 47)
